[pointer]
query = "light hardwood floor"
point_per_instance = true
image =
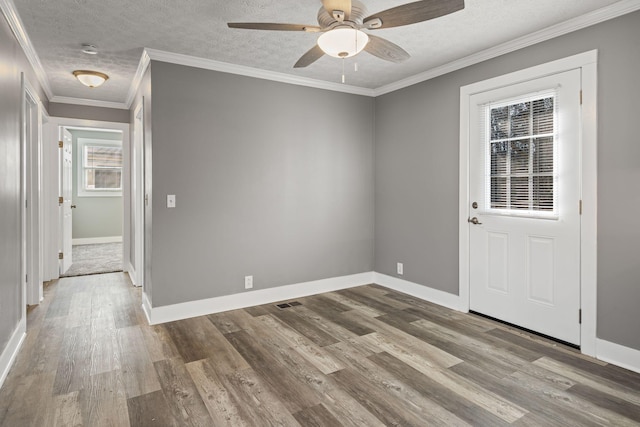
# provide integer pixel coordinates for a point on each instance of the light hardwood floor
(366, 356)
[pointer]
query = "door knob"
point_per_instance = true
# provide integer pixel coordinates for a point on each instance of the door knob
(73, 206)
(474, 221)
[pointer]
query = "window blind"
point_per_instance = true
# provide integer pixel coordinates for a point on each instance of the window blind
(520, 162)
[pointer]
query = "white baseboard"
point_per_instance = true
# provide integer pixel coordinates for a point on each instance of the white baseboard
(146, 307)
(419, 291)
(616, 354)
(94, 240)
(170, 313)
(619, 355)
(9, 354)
(132, 274)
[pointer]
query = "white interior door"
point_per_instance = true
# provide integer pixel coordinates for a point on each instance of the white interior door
(66, 172)
(524, 188)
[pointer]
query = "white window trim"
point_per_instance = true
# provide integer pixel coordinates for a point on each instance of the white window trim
(587, 62)
(81, 143)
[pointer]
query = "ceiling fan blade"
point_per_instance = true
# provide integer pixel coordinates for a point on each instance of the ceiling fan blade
(343, 5)
(384, 49)
(272, 26)
(310, 57)
(412, 13)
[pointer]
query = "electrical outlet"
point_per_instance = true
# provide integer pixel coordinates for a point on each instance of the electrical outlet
(248, 282)
(400, 269)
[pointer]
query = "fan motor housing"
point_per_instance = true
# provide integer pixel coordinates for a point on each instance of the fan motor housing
(358, 13)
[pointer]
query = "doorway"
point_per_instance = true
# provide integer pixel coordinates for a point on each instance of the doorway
(99, 158)
(527, 199)
(92, 195)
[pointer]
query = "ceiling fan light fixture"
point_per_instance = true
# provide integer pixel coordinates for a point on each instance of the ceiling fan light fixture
(90, 78)
(343, 42)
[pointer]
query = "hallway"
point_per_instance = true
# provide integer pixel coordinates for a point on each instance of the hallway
(71, 354)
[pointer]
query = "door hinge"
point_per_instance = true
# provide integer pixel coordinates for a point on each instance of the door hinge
(26, 278)
(580, 97)
(60, 200)
(26, 203)
(580, 207)
(580, 316)
(60, 255)
(60, 144)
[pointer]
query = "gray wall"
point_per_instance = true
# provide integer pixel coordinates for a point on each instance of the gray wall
(72, 111)
(94, 216)
(416, 171)
(272, 180)
(12, 63)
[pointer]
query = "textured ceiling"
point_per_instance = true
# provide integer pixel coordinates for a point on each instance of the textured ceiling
(122, 28)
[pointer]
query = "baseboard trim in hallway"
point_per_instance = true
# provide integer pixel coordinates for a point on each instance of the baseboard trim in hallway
(9, 354)
(96, 240)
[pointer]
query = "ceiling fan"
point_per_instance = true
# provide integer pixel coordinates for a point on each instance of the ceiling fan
(341, 23)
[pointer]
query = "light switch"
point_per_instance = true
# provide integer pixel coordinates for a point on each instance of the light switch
(171, 200)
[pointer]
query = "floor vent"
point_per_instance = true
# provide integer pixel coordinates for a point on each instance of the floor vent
(288, 304)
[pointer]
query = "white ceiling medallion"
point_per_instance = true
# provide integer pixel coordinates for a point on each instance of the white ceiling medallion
(89, 49)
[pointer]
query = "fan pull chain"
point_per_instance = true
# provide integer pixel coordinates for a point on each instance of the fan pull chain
(355, 67)
(343, 78)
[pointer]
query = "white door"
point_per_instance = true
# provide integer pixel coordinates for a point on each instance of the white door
(524, 188)
(66, 171)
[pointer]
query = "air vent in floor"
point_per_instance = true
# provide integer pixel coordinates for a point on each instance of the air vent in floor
(288, 304)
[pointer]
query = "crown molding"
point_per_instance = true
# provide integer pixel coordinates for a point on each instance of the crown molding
(145, 60)
(13, 19)
(595, 17)
(225, 67)
(8, 9)
(88, 102)
(614, 10)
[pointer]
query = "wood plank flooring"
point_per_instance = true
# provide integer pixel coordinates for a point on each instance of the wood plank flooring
(366, 356)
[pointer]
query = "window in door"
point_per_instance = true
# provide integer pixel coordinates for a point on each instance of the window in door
(520, 138)
(100, 171)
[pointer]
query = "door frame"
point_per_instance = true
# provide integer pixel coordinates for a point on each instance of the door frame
(587, 62)
(54, 174)
(31, 195)
(136, 268)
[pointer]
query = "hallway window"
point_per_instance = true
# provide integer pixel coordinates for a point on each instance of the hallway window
(100, 168)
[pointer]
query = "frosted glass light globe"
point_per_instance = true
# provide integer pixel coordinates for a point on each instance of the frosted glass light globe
(343, 42)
